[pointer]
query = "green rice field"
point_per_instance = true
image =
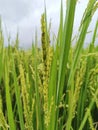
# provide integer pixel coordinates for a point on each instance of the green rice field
(54, 86)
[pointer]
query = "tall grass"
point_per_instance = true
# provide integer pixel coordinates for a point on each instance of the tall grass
(54, 87)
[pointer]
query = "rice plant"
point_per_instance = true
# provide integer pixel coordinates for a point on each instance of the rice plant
(55, 86)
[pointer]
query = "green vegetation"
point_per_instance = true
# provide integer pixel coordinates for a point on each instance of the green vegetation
(54, 87)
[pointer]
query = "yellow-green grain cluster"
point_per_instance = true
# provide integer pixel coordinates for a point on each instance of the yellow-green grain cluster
(3, 122)
(25, 97)
(47, 59)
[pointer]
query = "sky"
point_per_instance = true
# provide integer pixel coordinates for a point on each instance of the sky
(24, 16)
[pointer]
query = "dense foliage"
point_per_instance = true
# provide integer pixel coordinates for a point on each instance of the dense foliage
(54, 87)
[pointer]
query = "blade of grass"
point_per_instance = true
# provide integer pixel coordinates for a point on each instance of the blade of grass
(8, 97)
(1, 51)
(66, 43)
(38, 109)
(18, 98)
(65, 46)
(52, 91)
(53, 75)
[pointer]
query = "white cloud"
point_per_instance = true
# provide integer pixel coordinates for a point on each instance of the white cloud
(14, 10)
(25, 16)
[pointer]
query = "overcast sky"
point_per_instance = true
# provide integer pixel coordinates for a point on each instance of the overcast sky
(24, 15)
